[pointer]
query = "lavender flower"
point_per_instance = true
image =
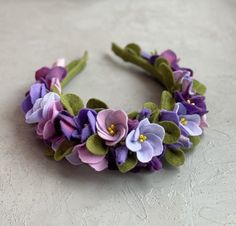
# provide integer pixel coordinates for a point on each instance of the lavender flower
(146, 140)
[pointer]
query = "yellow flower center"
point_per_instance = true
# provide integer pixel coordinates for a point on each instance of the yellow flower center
(183, 121)
(112, 129)
(189, 102)
(142, 138)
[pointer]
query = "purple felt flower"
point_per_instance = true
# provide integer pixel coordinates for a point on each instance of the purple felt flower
(79, 127)
(112, 126)
(37, 90)
(121, 154)
(41, 107)
(46, 129)
(145, 113)
(194, 104)
(146, 140)
(52, 76)
(188, 124)
(80, 153)
(85, 123)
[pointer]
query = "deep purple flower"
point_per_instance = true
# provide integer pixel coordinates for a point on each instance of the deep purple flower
(79, 127)
(37, 90)
(145, 113)
(51, 76)
(188, 124)
(146, 140)
(85, 123)
(194, 104)
(112, 126)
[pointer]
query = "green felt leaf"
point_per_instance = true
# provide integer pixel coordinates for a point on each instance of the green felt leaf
(133, 115)
(72, 103)
(49, 152)
(167, 101)
(55, 90)
(95, 103)
(134, 48)
(96, 145)
(166, 75)
(150, 105)
(198, 87)
(172, 132)
(175, 157)
(154, 109)
(64, 149)
(195, 140)
(160, 60)
(129, 164)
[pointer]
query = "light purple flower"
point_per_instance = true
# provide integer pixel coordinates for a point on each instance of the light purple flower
(121, 154)
(46, 128)
(189, 124)
(112, 126)
(40, 109)
(37, 90)
(146, 140)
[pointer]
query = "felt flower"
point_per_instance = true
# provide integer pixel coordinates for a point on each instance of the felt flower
(85, 123)
(79, 127)
(40, 109)
(112, 126)
(80, 153)
(188, 124)
(37, 90)
(121, 154)
(154, 165)
(45, 128)
(52, 76)
(146, 140)
(145, 113)
(194, 104)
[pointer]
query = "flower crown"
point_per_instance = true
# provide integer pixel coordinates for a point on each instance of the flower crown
(106, 138)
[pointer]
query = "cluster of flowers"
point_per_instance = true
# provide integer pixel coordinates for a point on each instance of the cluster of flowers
(130, 143)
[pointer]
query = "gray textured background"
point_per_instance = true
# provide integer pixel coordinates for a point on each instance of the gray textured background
(37, 191)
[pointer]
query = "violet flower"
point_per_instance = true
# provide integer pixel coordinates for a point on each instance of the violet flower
(37, 90)
(194, 104)
(112, 126)
(40, 109)
(146, 140)
(188, 124)
(121, 154)
(85, 123)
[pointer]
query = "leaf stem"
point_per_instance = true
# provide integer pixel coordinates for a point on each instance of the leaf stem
(74, 68)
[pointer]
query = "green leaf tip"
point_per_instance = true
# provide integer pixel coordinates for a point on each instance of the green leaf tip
(172, 132)
(129, 164)
(72, 103)
(96, 145)
(175, 157)
(96, 104)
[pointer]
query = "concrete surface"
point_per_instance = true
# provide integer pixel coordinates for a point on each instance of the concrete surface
(37, 191)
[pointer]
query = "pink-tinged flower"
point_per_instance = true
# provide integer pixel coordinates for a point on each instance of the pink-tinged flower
(46, 129)
(41, 107)
(203, 123)
(81, 154)
(112, 126)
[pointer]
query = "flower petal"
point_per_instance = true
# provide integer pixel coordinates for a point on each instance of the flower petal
(99, 166)
(146, 153)
(154, 129)
(131, 144)
(121, 154)
(73, 158)
(191, 129)
(156, 143)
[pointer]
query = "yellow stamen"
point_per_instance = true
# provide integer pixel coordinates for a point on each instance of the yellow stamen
(189, 102)
(183, 121)
(112, 129)
(142, 138)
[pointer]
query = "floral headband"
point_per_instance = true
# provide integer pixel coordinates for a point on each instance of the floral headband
(101, 137)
